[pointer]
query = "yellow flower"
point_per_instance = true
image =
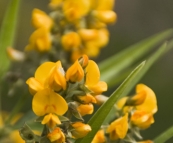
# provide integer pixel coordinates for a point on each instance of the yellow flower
(102, 4)
(47, 75)
(75, 73)
(55, 3)
(118, 129)
(40, 40)
(88, 34)
(85, 109)
(56, 136)
(150, 103)
(41, 19)
(99, 137)
(92, 79)
(71, 41)
(75, 9)
(45, 102)
(80, 129)
(86, 99)
(142, 119)
(15, 137)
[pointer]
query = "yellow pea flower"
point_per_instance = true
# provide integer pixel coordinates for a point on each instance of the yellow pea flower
(99, 137)
(47, 75)
(87, 99)
(102, 4)
(55, 3)
(56, 136)
(15, 137)
(85, 109)
(75, 9)
(142, 119)
(88, 34)
(75, 73)
(40, 40)
(118, 129)
(41, 19)
(92, 78)
(45, 102)
(150, 103)
(80, 129)
(71, 41)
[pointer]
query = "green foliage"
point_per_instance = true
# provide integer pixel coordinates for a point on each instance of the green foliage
(7, 33)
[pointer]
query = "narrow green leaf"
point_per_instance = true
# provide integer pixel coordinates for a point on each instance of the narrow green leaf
(97, 119)
(7, 33)
(114, 65)
(166, 135)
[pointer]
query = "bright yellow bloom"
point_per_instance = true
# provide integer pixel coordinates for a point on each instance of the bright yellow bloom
(51, 120)
(150, 103)
(40, 40)
(92, 79)
(85, 109)
(99, 137)
(118, 129)
(86, 99)
(142, 119)
(80, 129)
(88, 34)
(56, 136)
(15, 137)
(47, 75)
(41, 19)
(55, 3)
(102, 4)
(75, 73)
(71, 41)
(45, 102)
(75, 9)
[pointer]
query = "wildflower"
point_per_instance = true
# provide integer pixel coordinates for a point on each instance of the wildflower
(142, 119)
(55, 3)
(45, 102)
(85, 109)
(86, 99)
(150, 103)
(88, 34)
(47, 75)
(70, 41)
(40, 40)
(99, 137)
(75, 73)
(56, 136)
(41, 19)
(92, 79)
(80, 129)
(75, 9)
(118, 129)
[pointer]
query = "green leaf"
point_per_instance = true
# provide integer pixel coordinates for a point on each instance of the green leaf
(7, 33)
(113, 66)
(97, 119)
(166, 135)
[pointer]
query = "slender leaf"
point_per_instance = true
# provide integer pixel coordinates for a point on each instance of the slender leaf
(97, 119)
(166, 135)
(113, 66)
(7, 33)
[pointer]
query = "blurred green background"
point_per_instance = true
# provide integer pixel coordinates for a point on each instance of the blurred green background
(137, 19)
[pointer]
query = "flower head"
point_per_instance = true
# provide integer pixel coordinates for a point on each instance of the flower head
(99, 137)
(118, 129)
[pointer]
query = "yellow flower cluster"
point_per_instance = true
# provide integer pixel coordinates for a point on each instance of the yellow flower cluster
(57, 91)
(79, 26)
(135, 113)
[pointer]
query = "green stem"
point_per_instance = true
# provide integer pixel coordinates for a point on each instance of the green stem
(163, 137)
(21, 101)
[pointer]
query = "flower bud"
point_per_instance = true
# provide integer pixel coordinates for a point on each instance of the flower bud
(88, 34)
(86, 99)
(99, 137)
(80, 129)
(85, 109)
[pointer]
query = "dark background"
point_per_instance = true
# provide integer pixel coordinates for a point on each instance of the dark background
(137, 19)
